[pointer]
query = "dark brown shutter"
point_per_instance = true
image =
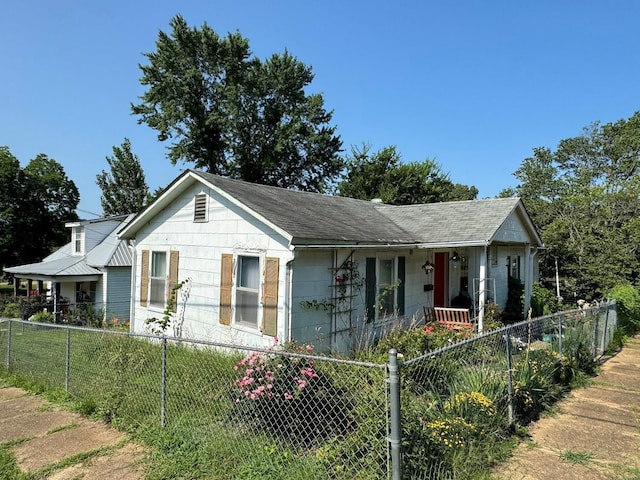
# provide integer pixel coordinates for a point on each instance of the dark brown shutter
(270, 297)
(144, 278)
(226, 286)
(174, 257)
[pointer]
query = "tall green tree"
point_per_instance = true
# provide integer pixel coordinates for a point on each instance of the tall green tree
(382, 175)
(230, 113)
(35, 203)
(585, 199)
(124, 188)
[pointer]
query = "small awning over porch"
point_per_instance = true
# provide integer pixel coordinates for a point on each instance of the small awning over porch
(67, 269)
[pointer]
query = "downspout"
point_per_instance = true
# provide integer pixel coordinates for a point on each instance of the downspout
(288, 294)
(132, 305)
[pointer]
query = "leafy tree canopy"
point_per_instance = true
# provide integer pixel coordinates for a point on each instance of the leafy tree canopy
(35, 203)
(233, 114)
(124, 188)
(585, 199)
(382, 175)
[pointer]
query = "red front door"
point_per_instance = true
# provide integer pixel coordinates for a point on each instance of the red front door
(440, 279)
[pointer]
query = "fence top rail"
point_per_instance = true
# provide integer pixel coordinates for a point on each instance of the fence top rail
(506, 328)
(177, 340)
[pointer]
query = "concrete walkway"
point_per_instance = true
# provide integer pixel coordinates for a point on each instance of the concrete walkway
(59, 445)
(594, 433)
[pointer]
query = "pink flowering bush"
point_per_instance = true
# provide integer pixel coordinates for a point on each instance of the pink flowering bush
(266, 376)
(283, 393)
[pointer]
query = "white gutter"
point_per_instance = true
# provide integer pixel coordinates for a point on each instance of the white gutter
(393, 245)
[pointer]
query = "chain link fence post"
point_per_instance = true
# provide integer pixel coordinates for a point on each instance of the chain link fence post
(510, 411)
(67, 361)
(560, 317)
(9, 345)
(163, 387)
(606, 326)
(395, 440)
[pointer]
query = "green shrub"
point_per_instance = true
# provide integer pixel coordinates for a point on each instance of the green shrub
(540, 378)
(86, 316)
(43, 317)
(11, 310)
(31, 305)
(627, 300)
(543, 301)
(492, 319)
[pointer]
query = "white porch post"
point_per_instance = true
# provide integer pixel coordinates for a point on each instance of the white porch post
(56, 301)
(528, 275)
(482, 287)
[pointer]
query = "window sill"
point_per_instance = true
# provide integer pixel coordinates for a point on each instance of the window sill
(246, 328)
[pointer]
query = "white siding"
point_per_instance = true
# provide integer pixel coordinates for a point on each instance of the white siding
(201, 245)
(512, 231)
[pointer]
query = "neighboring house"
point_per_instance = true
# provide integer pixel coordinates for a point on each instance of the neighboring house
(255, 262)
(93, 269)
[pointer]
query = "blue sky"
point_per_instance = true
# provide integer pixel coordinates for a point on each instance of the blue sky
(475, 85)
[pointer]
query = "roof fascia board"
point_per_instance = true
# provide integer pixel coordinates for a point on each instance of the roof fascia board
(178, 185)
(172, 191)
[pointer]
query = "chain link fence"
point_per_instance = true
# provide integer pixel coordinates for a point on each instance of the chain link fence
(322, 417)
(462, 399)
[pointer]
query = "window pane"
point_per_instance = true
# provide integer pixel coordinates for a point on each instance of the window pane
(386, 295)
(386, 272)
(77, 235)
(157, 292)
(249, 275)
(247, 307)
(159, 264)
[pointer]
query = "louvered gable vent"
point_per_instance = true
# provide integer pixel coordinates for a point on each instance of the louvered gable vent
(200, 208)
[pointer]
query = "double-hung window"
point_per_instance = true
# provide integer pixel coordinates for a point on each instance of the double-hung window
(247, 290)
(386, 282)
(385, 277)
(78, 240)
(251, 281)
(158, 279)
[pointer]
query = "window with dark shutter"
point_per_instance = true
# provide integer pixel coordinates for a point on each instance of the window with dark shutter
(200, 208)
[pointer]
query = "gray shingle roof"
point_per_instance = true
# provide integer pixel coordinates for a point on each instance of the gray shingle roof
(315, 217)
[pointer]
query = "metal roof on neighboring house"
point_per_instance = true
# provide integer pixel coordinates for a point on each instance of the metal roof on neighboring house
(110, 252)
(67, 266)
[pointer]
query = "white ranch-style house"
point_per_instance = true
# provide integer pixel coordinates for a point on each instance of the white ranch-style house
(254, 262)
